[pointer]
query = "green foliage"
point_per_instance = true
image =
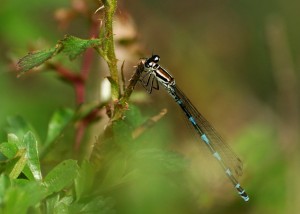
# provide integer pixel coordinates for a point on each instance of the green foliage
(19, 197)
(32, 157)
(16, 165)
(131, 169)
(19, 127)
(19, 194)
(35, 59)
(61, 176)
(23, 177)
(94, 206)
(59, 120)
(22, 174)
(22, 156)
(126, 163)
(71, 46)
(84, 180)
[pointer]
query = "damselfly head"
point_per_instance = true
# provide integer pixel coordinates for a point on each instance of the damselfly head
(155, 58)
(150, 62)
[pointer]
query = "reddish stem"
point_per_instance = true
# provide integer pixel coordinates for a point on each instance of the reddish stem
(79, 89)
(88, 55)
(83, 123)
(77, 80)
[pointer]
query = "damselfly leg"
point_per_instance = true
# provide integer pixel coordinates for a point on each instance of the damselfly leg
(149, 82)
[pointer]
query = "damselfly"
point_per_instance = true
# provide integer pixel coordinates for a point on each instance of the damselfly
(231, 164)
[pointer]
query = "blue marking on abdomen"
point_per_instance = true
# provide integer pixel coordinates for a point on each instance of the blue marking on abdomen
(192, 120)
(179, 102)
(217, 155)
(205, 139)
(228, 172)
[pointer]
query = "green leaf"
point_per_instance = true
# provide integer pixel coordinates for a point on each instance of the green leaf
(61, 176)
(74, 46)
(95, 206)
(17, 164)
(19, 127)
(13, 202)
(35, 59)
(33, 162)
(51, 203)
(122, 132)
(84, 180)
(20, 182)
(14, 146)
(58, 122)
(62, 206)
(4, 185)
(19, 198)
(8, 149)
(70, 45)
(13, 139)
(123, 129)
(134, 116)
(115, 172)
(55, 205)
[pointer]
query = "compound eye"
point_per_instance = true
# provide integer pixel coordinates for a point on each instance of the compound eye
(155, 58)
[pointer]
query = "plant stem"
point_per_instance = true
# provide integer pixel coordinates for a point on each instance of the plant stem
(108, 50)
(120, 107)
(123, 102)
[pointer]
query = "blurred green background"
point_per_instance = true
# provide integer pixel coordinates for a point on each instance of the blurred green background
(237, 61)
